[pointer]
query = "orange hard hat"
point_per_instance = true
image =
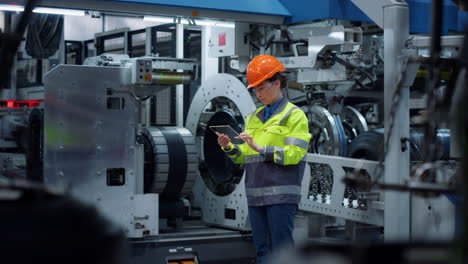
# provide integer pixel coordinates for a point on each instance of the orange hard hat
(262, 68)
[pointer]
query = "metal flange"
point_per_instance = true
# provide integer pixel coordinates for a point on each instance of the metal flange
(353, 122)
(325, 134)
(229, 209)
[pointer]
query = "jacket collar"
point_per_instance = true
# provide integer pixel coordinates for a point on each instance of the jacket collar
(261, 114)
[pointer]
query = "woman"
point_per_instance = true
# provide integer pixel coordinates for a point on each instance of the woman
(276, 140)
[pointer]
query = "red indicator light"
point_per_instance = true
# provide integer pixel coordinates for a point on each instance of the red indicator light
(19, 104)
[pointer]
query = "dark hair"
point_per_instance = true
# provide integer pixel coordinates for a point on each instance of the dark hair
(278, 76)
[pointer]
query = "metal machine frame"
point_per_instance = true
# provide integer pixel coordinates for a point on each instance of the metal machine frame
(374, 213)
(90, 140)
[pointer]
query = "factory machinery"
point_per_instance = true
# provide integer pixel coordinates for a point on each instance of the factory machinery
(339, 131)
(96, 142)
(336, 76)
(91, 135)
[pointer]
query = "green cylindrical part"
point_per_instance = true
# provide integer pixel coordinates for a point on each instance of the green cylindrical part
(171, 78)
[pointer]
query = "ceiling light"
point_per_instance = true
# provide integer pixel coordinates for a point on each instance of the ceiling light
(159, 19)
(214, 23)
(44, 10)
(59, 11)
(15, 8)
(200, 22)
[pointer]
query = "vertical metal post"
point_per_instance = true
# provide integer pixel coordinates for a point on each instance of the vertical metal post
(209, 66)
(436, 28)
(126, 43)
(397, 204)
(434, 80)
(180, 87)
(13, 78)
(103, 24)
(146, 105)
(262, 39)
(14, 74)
(148, 42)
(62, 49)
(2, 22)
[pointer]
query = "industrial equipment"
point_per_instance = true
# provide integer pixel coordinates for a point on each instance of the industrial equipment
(362, 85)
(95, 140)
(220, 190)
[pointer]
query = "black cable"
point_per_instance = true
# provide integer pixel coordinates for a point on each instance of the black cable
(55, 27)
(269, 42)
(25, 18)
(360, 84)
(413, 146)
(254, 46)
(350, 65)
(37, 34)
(9, 42)
(286, 34)
(434, 79)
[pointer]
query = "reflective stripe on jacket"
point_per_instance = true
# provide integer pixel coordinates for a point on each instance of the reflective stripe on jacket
(274, 176)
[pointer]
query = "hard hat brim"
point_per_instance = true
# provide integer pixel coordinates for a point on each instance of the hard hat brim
(280, 68)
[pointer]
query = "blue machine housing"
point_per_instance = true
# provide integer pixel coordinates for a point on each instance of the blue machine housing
(300, 11)
(419, 12)
(267, 7)
(306, 11)
(420, 16)
(462, 21)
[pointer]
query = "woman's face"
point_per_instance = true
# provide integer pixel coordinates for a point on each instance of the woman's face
(268, 92)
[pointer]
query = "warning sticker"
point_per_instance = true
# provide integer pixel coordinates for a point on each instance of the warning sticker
(222, 39)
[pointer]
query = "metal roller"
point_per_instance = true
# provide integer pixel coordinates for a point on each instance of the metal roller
(326, 137)
(442, 144)
(353, 122)
(170, 78)
(331, 133)
(171, 161)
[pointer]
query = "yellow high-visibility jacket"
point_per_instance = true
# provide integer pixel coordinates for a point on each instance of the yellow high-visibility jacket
(274, 176)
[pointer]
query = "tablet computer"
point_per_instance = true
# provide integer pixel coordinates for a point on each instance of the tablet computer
(228, 131)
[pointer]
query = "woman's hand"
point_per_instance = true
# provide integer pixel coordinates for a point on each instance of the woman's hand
(248, 139)
(223, 140)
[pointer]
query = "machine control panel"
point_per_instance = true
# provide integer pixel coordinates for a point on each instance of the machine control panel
(142, 71)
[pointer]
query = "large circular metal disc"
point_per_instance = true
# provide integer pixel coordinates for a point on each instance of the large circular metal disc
(325, 135)
(353, 121)
(222, 86)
